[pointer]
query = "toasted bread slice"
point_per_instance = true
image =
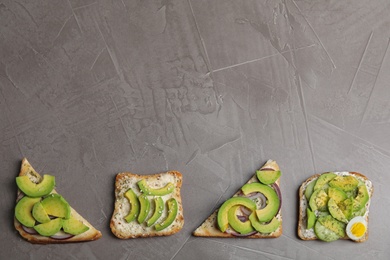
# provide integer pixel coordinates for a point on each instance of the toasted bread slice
(33, 237)
(210, 228)
(133, 229)
(309, 233)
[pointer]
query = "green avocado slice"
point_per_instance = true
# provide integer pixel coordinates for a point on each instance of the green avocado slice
(35, 190)
(309, 189)
(319, 200)
(74, 227)
(311, 218)
(23, 211)
(158, 209)
(361, 199)
(264, 228)
(325, 234)
(222, 217)
(335, 211)
(346, 206)
(360, 212)
(144, 208)
(134, 205)
(267, 213)
(49, 228)
(172, 212)
(55, 205)
(333, 224)
(345, 183)
(337, 194)
(148, 191)
(39, 213)
(268, 177)
(235, 223)
(323, 180)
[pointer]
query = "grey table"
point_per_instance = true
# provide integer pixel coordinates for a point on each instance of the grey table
(213, 89)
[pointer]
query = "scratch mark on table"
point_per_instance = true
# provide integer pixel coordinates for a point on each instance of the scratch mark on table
(208, 65)
(304, 111)
(62, 28)
(75, 16)
(97, 57)
(12, 125)
(360, 63)
(316, 35)
(376, 79)
(123, 126)
(84, 6)
(28, 13)
(262, 58)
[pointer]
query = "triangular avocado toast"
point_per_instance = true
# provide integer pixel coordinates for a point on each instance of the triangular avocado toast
(254, 211)
(42, 216)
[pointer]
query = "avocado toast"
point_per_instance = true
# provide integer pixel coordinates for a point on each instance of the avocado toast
(335, 205)
(42, 216)
(254, 211)
(147, 205)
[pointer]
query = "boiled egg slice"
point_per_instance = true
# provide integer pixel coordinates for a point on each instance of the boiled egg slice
(356, 228)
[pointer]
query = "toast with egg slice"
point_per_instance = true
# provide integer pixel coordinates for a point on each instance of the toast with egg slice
(147, 205)
(85, 232)
(245, 218)
(335, 205)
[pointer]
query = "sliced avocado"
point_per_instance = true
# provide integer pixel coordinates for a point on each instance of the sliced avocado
(222, 217)
(144, 208)
(268, 177)
(345, 183)
(322, 214)
(23, 211)
(172, 212)
(319, 200)
(235, 223)
(323, 180)
(55, 205)
(271, 209)
(324, 233)
(360, 212)
(134, 205)
(346, 207)
(158, 209)
(311, 218)
(309, 189)
(35, 190)
(49, 228)
(147, 190)
(351, 193)
(333, 224)
(74, 226)
(39, 213)
(361, 199)
(335, 211)
(337, 194)
(264, 228)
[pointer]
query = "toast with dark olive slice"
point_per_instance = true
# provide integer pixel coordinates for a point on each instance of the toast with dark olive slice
(42, 216)
(254, 211)
(147, 205)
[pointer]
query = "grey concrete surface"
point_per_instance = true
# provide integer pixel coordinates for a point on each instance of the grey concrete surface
(213, 89)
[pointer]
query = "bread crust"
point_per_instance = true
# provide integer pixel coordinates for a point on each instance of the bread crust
(125, 180)
(209, 228)
(89, 235)
(301, 227)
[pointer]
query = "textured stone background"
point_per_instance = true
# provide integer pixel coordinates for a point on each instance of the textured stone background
(210, 88)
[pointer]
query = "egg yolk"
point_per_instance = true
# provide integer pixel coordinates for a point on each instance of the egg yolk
(358, 229)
